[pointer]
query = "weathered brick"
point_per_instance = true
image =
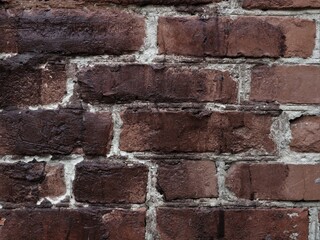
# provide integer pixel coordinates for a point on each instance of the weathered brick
(70, 31)
(286, 84)
(28, 80)
(280, 4)
(187, 179)
(230, 224)
(110, 84)
(98, 182)
(30, 224)
(243, 36)
(28, 182)
(153, 2)
(305, 134)
(98, 133)
(274, 181)
(54, 132)
(230, 132)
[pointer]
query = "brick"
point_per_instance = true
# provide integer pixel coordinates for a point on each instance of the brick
(153, 2)
(264, 181)
(26, 81)
(305, 134)
(243, 36)
(127, 83)
(281, 4)
(72, 224)
(231, 132)
(280, 84)
(187, 179)
(70, 31)
(230, 224)
(28, 182)
(110, 183)
(98, 133)
(54, 132)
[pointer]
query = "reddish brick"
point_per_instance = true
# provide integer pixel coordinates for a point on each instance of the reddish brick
(230, 132)
(244, 36)
(28, 182)
(69, 31)
(82, 223)
(187, 179)
(98, 182)
(54, 132)
(105, 84)
(274, 181)
(280, 4)
(153, 2)
(31, 81)
(240, 224)
(280, 84)
(305, 134)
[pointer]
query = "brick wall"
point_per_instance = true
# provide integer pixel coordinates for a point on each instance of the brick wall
(159, 119)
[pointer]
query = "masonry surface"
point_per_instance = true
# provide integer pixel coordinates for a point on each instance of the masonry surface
(159, 119)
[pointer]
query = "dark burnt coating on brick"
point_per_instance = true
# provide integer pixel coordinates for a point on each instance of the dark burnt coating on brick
(71, 31)
(30, 224)
(28, 182)
(32, 80)
(53, 132)
(230, 224)
(187, 179)
(127, 83)
(280, 4)
(97, 182)
(230, 132)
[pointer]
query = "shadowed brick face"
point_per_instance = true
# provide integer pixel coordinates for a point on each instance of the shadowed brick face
(159, 119)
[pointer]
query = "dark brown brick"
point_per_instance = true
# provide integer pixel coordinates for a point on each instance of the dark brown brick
(70, 31)
(28, 80)
(97, 182)
(54, 132)
(264, 181)
(153, 2)
(243, 36)
(187, 179)
(280, 84)
(305, 134)
(281, 4)
(98, 133)
(110, 84)
(28, 182)
(231, 132)
(31, 224)
(240, 224)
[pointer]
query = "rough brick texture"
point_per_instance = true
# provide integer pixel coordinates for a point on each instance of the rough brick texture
(244, 36)
(286, 84)
(231, 132)
(159, 119)
(28, 182)
(240, 224)
(71, 31)
(281, 4)
(28, 80)
(187, 179)
(104, 84)
(54, 132)
(110, 183)
(72, 224)
(306, 134)
(274, 181)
